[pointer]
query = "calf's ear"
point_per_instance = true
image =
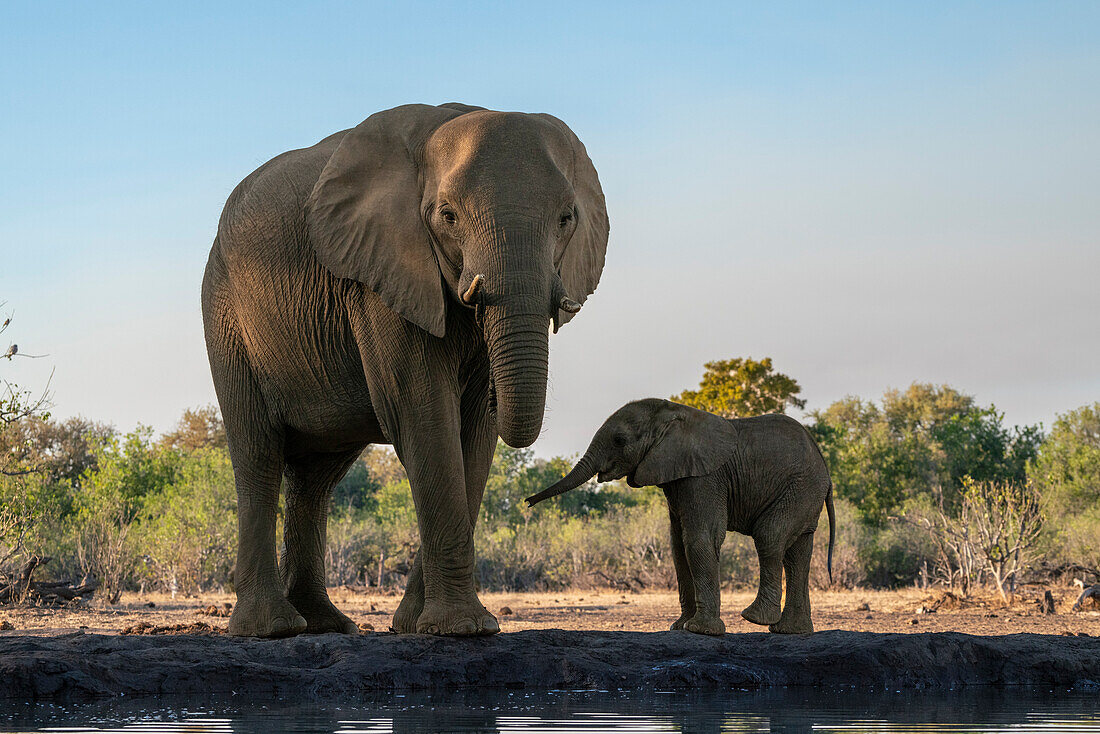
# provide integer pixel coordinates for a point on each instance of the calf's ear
(692, 443)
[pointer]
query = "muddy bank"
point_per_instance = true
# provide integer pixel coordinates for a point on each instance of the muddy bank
(328, 666)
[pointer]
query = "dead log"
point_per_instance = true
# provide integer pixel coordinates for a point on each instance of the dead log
(68, 592)
(1046, 603)
(21, 587)
(48, 592)
(28, 568)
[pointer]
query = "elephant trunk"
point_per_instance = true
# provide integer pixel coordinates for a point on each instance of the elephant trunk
(518, 346)
(581, 473)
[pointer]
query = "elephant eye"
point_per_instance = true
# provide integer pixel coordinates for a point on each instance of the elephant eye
(565, 219)
(449, 217)
(619, 440)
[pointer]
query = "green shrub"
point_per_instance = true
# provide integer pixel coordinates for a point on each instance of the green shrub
(188, 529)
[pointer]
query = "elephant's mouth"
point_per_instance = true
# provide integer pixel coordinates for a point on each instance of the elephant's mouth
(610, 476)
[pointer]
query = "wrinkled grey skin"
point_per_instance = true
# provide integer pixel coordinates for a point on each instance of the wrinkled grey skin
(394, 283)
(762, 476)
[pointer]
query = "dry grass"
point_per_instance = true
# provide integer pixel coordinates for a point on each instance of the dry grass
(869, 611)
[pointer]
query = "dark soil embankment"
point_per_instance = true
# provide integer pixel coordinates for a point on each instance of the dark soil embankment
(328, 666)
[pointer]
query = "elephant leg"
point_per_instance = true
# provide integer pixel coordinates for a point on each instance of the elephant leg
(437, 477)
(478, 445)
(702, 546)
(310, 481)
(796, 609)
(765, 608)
(262, 609)
(412, 602)
(684, 583)
(256, 449)
(479, 442)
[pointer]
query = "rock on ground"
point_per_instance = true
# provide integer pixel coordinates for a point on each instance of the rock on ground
(317, 667)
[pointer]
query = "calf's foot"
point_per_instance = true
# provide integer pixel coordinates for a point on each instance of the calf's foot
(794, 623)
(762, 612)
(784, 627)
(702, 624)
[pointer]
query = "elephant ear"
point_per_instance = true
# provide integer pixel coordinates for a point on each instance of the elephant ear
(582, 259)
(692, 444)
(364, 212)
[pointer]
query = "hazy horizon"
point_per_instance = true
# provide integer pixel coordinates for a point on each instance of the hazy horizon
(869, 196)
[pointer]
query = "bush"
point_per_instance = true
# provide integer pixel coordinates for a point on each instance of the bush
(188, 530)
(27, 514)
(851, 537)
(138, 513)
(626, 547)
(356, 545)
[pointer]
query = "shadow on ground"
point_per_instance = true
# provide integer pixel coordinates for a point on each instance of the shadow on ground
(319, 667)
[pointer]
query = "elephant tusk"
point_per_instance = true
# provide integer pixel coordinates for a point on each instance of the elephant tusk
(568, 305)
(471, 292)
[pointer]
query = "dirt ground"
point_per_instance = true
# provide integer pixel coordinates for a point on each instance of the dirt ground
(908, 610)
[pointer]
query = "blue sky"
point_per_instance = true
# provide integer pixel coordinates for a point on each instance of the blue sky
(871, 194)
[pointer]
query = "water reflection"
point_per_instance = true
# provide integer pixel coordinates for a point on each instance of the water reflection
(791, 710)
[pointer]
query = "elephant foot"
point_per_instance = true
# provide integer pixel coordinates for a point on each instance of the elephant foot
(704, 625)
(791, 625)
(462, 619)
(679, 623)
(321, 617)
(762, 613)
(265, 617)
(408, 611)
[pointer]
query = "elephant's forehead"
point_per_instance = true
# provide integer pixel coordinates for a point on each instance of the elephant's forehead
(628, 416)
(494, 150)
(640, 413)
(489, 129)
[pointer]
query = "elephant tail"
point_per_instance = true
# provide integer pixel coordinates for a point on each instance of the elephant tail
(832, 529)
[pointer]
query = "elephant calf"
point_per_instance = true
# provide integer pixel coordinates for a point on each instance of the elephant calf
(762, 476)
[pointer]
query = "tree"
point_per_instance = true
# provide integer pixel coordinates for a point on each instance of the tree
(114, 499)
(1067, 464)
(20, 472)
(503, 498)
(977, 444)
(16, 407)
(187, 537)
(62, 450)
(923, 441)
(738, 388)
(1067, 468)
(197, 428)
(996, 530)
(1007, 518)
(966, 438)
(376, 467)
(874, 465)
(515, 474)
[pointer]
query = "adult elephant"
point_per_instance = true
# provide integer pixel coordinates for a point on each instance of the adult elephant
(394, 283)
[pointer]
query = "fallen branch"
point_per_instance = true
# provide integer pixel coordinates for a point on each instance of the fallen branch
(26, 589)
(1091, 592)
